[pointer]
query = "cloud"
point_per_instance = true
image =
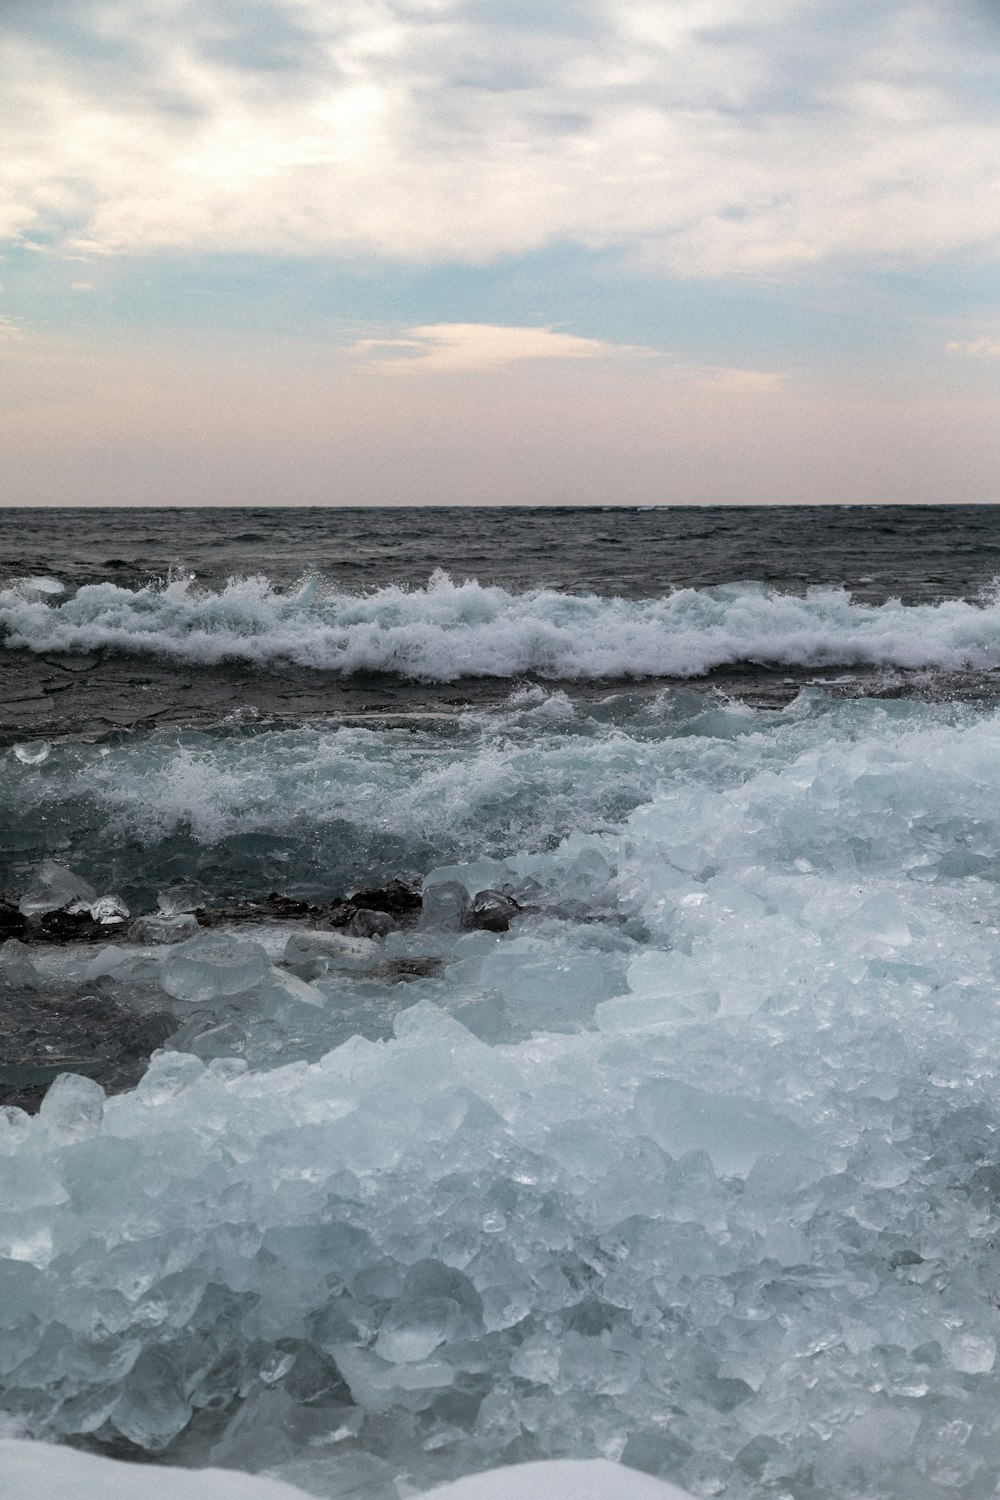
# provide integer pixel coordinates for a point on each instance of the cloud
(983, 348)
(729, 379)
(483, 348)
(463, 348)
(697, 137)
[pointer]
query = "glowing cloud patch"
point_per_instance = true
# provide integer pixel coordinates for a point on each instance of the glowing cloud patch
(984, 348)
(461, 348)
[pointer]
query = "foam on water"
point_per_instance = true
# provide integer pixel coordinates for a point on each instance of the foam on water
(696, 1167)
(314, 811)
(448, 630)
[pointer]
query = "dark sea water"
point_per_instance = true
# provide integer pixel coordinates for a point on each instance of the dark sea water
(690, 1161)
(914, 553)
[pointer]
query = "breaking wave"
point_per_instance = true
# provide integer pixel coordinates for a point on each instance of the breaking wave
(449, 630)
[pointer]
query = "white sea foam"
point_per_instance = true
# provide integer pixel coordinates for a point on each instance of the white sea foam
(448, 630)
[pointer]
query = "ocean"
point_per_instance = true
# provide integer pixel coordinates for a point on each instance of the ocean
(485, 985)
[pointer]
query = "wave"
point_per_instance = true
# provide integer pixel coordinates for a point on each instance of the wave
(450, 630)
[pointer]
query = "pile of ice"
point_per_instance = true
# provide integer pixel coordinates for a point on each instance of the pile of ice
(448, 630)
(695, 1168)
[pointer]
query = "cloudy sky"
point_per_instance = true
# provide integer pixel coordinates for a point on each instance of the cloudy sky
(487, 251)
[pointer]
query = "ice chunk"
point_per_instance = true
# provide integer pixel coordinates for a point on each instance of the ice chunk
(445, 906)
(32, 752)
(178, 899)
(472, 875)
(734, 1132)
(973, 1353)
(16, 968)
(282, 989)
(155, 931)
(54, 888)
(152, 1408)
(666, 987)
(73, 1106)
(213, 965)
(411, 1331)
(880, 923)
(35, 1469)
(545, 988)
(311, 954)
(108, 910)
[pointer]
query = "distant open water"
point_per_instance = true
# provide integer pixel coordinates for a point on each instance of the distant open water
(915, 553)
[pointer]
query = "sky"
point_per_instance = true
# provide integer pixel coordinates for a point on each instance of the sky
(380, 252)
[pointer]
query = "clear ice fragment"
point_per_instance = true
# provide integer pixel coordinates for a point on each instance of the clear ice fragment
(213, 965)
(445, 906)
(109, 910)
(16, 969)
(735, 1133)
(178, 899)
(973, 1353)
(32, 752)
(162, 930)
(73, 1106)
(411, 1331)
(54, 888)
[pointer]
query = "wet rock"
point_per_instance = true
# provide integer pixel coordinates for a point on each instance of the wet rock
(400, 899)
(367, 923)
(492, 911)
(398, 903)
(395, 969)
(12, 920)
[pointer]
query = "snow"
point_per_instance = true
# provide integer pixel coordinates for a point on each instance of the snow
(42, 1471)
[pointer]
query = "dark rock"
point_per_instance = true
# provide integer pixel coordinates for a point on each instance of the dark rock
(72, 927)
(12, 923)
(395, 969)
(398, 901)
(367, 923)
(399, 898)
(492, 911)
(276, 907)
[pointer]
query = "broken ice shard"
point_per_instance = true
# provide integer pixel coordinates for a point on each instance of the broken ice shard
(213, 965)
(54, 888)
